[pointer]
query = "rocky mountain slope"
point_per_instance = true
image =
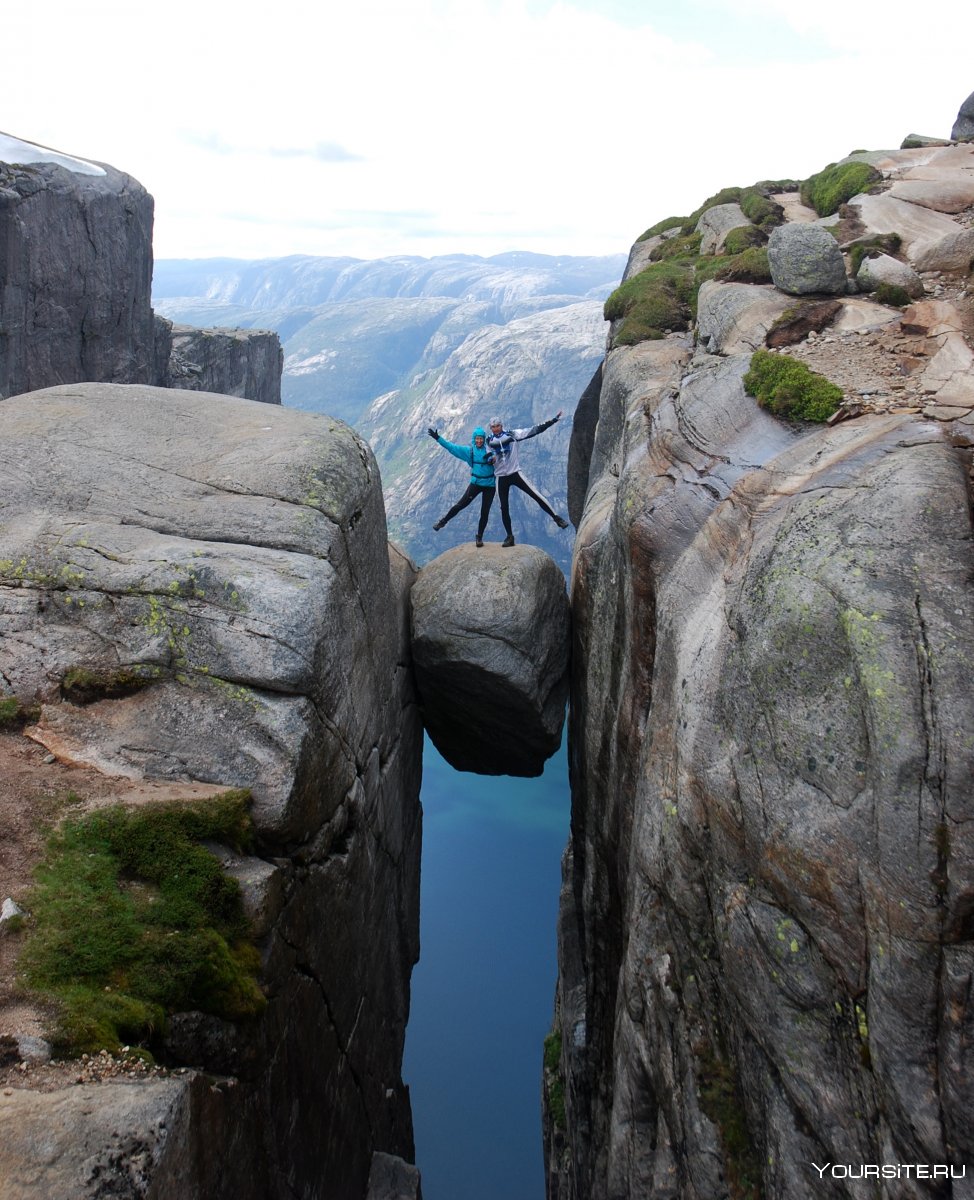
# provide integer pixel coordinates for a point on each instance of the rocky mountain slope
(765, 938)
(394, 345)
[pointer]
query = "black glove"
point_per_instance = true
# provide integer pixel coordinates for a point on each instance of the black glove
(433, 432)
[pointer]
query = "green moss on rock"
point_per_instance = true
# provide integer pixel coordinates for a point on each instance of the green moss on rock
(837, 183)
(660, 227)
(788, 388)
(133, 919)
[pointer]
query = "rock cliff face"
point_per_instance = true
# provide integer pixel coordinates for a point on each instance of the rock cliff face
(234, 556)
(75, 279)
(766, 942)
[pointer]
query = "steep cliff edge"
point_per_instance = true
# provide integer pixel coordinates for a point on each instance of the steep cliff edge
(75, 280)
(231, 558)
(765, 938)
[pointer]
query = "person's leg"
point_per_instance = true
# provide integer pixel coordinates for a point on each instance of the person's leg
(486, 500)
(518, 481)
(503, 492)
(468, 496)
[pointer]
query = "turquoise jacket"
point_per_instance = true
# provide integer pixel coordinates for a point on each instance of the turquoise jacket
(481, 462)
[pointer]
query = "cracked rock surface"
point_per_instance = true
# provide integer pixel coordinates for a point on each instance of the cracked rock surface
(232, 556)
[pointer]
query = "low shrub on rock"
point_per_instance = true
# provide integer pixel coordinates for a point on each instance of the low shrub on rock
(133, 919)
(837, 183)
(788, 388)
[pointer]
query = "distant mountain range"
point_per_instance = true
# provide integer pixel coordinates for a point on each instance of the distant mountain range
(394, 345)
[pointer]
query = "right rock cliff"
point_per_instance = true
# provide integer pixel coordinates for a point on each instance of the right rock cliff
(765, 939)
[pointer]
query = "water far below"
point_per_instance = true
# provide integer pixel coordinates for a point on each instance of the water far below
(483, 990)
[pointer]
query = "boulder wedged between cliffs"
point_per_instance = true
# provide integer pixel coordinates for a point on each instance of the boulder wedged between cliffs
(490, 641)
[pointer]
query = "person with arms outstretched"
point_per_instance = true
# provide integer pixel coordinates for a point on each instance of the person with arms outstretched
(503, 443)
(480, 460)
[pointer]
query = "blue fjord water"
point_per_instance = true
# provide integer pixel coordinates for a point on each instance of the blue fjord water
(483, 989)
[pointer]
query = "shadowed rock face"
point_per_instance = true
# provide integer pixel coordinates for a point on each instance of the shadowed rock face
(766, 930)
(76, 270)
(235, 555)
(490, 651)
(76, 260)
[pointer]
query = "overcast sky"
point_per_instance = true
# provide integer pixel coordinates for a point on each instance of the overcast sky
(377, 127)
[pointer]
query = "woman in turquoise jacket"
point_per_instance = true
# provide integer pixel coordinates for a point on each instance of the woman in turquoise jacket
(481, 462)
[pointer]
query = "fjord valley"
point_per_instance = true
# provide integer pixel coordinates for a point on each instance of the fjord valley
(764, 928)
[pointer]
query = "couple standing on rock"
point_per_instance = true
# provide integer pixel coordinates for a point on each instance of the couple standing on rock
(494, 465)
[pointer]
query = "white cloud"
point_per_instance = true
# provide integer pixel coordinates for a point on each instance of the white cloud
(428, 126)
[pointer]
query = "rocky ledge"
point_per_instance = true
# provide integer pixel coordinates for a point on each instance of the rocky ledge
(230, 559)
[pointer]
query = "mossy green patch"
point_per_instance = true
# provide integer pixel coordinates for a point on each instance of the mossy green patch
(554, 1083)
(660, 227)
(837, 183)
(871, 247)
(133, 919)
(82, 685)
(653, 301)
(893, 295)
(750, 266)
(720, 1099)
(685, 246)
(743, 238)
(788, 388)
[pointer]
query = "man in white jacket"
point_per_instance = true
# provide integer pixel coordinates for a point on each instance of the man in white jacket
(503, 442)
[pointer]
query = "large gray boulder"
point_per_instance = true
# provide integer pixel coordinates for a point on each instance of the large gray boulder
(716, 223)
(234, 556)
(490, 641)
(964, 125)
(806, 259)
(765, 936)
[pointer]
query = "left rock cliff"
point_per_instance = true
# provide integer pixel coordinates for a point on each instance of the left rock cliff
(234, 558)
(75, 288)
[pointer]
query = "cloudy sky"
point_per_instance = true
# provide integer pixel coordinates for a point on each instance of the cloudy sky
(377, 127)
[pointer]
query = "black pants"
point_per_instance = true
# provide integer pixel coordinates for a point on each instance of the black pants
(504, 485)
(486, 495)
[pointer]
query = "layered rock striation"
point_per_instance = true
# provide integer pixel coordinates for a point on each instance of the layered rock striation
(232, 556)
(765, 940)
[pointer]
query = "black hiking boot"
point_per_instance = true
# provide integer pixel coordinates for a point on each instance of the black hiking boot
(509, 540)
(438, 525)
(479, 541)
(561, 522)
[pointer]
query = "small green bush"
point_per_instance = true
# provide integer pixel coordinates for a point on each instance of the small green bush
(833, 186)
(660, 227)
(893, 295)
(788, 388)
(132, 919)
